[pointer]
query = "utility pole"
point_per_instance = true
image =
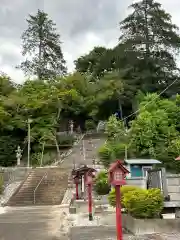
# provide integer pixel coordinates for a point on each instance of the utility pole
(29, 141)
(126, 152)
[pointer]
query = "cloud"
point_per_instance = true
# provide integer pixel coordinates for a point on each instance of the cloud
(82, 25)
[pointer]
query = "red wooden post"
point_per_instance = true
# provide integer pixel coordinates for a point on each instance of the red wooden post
(118, 214)
(90, 201)
(85, 192)
(117, 174)
(76, 181)
(77, 193)
(89, 185)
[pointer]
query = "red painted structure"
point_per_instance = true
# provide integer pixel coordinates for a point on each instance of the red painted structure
(117, 173)
(81, 174)
(89, 181)
(77, 181)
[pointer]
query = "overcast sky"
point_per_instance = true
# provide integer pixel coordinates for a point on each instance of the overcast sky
(82, 24)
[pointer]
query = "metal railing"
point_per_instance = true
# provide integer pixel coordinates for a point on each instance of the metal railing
(45, 175)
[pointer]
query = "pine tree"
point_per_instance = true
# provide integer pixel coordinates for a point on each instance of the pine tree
(151, 43)
(42, 45)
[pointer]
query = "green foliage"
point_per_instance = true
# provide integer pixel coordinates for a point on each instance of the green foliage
(92, 62)
(36, 159)
(115, 146)
(143, 203)
(124, 190)
(8, 146)
(66, 140)
(106, 80)
(151, 58)
(111, 151)
(106, 155)
(115, 129)
(101, 185)
(90, 125)
(41, 41)
(154, 133)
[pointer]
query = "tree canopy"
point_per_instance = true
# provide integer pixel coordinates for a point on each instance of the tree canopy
(42, 48)
(105, 81)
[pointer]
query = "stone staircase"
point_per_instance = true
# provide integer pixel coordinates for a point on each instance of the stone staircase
(50, 185)
(91, 145)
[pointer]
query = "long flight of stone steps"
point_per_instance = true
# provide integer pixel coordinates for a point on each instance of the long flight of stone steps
(52, 186)
(51, 183)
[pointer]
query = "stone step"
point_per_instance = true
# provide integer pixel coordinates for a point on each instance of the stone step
(50, 190)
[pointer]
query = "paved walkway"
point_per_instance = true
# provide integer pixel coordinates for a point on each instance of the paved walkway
(27, 223)
(107, 233)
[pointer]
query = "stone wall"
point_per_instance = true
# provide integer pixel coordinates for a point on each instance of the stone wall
(81, 206)
(149, 226)
(15, 174)
(141, 226)
(173, 186)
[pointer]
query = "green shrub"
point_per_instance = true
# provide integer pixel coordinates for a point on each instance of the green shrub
(66, 140)
(36, 159)
(143, 203)
(105, 154)
(118, 150)
(101, 184)
(90, 125)
(110, 151)
(115, 129)
(124, 190)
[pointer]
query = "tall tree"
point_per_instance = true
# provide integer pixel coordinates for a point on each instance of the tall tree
(42, 43)
(155, 131)
(96, 62)
(151, 41)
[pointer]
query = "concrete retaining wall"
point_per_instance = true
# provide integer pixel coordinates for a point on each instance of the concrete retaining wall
(140, 226)
(81, 206)
(11, 175)
(149, 226)
(173, 186)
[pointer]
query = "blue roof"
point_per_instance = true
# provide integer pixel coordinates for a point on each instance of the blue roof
(142, 161)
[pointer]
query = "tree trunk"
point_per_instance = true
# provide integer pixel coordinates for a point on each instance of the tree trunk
(146, 30)
(40, 55)
(57, 148)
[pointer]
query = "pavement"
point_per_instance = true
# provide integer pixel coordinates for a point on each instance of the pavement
(27, 223)
(94, 233)
(108, 233)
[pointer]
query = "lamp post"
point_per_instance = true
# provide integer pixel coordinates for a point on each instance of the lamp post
(117, 174)
(89, 183)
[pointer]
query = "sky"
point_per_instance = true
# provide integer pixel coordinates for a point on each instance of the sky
(82, 25)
